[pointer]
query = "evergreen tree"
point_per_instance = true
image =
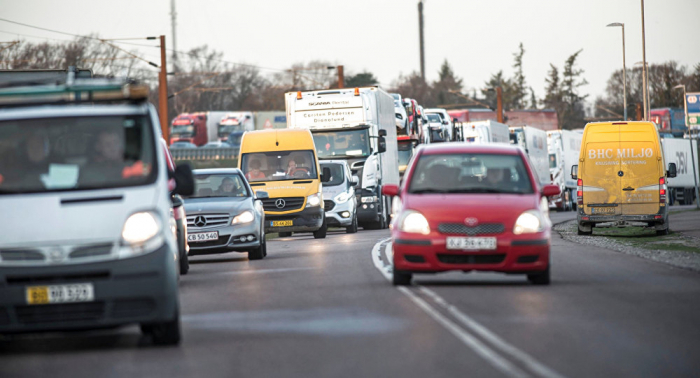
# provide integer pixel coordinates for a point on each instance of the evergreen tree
(363, 79)
(573, 109)
(447, 82)
(519, 87)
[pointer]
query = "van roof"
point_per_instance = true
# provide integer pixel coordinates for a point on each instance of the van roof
(277, 140)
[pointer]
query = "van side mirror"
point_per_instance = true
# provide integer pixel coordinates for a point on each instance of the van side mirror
(325, 174)
(671, 170)
(551, 190)
(260, 195)
(390, 190)
(184, 180)
(354, 181)
(445, 122)
(381, 143)
(574, 171)
(382, 133)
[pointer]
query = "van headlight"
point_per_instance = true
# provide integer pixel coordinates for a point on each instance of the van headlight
(142, 233)
(342, 197)
(243, 218)
(414, 222)
(528, 222)
(314, 200)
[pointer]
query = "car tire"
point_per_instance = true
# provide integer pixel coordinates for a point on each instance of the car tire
(401, 278)
(284, 234)
(182, 255)
(663, 232)
(321, 232)
(540, 278)
(257, 253)
(351, 229)
(164, 333)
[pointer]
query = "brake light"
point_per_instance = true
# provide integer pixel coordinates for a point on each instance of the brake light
(662, 181)
(579, 192)
(662, 190)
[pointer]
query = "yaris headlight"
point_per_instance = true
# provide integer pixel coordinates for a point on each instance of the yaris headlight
(414, 222)
(528, 222)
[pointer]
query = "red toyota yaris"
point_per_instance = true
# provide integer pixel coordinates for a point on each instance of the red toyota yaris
(471, 207)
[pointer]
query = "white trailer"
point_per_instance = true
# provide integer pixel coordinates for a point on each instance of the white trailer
(484, 132)
(534, 142)
(681, 187)
(357, 125)
(564, 147)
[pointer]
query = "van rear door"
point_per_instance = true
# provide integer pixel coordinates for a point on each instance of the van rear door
(640, 158)
(601, 180)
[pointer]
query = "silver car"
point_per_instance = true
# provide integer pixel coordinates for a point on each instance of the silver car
(224, 215)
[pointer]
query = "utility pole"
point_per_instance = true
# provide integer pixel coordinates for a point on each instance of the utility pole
(163, 92)
(499, 104)
(422, 47)
(341, 77)
(645, 77)
(173, 25)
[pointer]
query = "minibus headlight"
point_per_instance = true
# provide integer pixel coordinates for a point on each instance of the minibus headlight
(528, 222)
(314, 200)
(140, 227)
(414, 222)
(243, 218)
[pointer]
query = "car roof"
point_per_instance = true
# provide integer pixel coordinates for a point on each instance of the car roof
(216, 171)
(459, 148)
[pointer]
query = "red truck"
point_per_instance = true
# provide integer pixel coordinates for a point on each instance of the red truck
(193, 128)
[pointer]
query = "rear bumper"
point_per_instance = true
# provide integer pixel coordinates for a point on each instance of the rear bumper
(660, 217)
(419, 254)
(137, 290)
(307, 220)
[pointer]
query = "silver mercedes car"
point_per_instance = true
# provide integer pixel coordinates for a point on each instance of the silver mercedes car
(225, 215)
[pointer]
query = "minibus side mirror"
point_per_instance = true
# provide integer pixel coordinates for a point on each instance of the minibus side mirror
(184, 180)
(574, 172)
(671, 170)
(325, 174)
(261, 195)
(354, 180)
(390, 190)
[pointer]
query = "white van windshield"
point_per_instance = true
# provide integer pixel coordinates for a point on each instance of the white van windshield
(75, 153)
(279, 165)
(337, 176)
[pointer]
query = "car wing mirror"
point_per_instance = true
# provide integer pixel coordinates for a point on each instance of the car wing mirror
(574, 171)
(354, 181)
(671, 170)
(551, 190)
(184, 180)
(390, 190)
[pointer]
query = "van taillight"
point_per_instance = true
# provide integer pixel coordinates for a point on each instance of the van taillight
(662, 190)
(579, 192)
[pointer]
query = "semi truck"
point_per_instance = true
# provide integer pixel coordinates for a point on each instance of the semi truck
(232, 122)
(669, 120)
(564, 147)
(682, 187)
(357, 125)
(483, 132)
(534, 142)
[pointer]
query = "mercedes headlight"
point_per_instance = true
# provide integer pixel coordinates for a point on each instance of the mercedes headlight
(314, 200)
(528, 222)
(343, 197)
(243, 218)
(414, 222)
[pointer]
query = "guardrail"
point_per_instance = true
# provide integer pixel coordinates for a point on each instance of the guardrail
(204, 153)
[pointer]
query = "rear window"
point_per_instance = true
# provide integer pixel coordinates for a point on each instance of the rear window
(470, 173)
(76, 153)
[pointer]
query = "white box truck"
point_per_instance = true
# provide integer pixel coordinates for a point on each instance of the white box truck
(357, 125)
(681, 187)
(484, 132)
(534, 142)
(564, 147)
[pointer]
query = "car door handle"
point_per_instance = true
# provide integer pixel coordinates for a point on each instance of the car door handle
(628, 188)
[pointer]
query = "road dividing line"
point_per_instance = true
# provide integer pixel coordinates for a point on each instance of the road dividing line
(463, 334)
(533, 365)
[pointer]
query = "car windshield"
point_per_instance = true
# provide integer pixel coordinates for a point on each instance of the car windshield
(337, 174)
(219, 185)
(346, 143)
(432, 117)
(405, 153)
(182, 128)
(552, 160)
(76, 153)
(470, 173)
(279, 165)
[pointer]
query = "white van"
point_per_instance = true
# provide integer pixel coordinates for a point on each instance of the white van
(339, 200)
(87, 236)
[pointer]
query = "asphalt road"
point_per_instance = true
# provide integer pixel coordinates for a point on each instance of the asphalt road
(324, 308)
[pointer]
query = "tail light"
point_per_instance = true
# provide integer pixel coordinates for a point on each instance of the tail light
(579, 192)
(662, 190)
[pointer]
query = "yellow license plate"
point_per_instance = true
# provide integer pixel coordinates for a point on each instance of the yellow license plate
(83, 292)
(284, 223)
(38, 295)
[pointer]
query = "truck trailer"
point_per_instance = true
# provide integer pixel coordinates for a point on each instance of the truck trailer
(564, 147)
(534, 142)
(484, 132)
(682, 187)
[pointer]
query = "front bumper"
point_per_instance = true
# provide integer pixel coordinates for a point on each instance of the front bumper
(141, 289)
(307, 220)
(229, 239)
(334, 217)
(429, 254)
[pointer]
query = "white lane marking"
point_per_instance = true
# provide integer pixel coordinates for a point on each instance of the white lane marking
(463, 335)
(262, 271)
(477, 346)
(535, 366)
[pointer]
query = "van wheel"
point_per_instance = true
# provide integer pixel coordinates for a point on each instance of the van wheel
(321, 232)
(401, 278)
(351, 229)
(665, 231)
(584, 232)
(540, 278)
(165, 333)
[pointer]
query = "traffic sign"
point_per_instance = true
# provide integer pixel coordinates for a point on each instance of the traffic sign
(692, 103)
(267, 125)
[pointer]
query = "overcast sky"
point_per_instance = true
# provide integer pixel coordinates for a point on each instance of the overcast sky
(478, 38)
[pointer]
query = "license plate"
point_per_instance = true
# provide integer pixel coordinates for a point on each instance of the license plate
(202, 236)
(60, 294)
(284, 223)
(471, 243)
(602, 210)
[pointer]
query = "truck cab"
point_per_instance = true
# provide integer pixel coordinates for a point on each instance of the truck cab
(189, 127)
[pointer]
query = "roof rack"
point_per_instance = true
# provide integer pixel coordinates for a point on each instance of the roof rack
(75, 91)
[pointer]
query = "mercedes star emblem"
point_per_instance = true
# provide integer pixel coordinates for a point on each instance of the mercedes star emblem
(280, 203)
(200, 221)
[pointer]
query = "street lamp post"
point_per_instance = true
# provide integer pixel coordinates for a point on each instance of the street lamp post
(645, 77)
(624, 69)
(690, 138)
